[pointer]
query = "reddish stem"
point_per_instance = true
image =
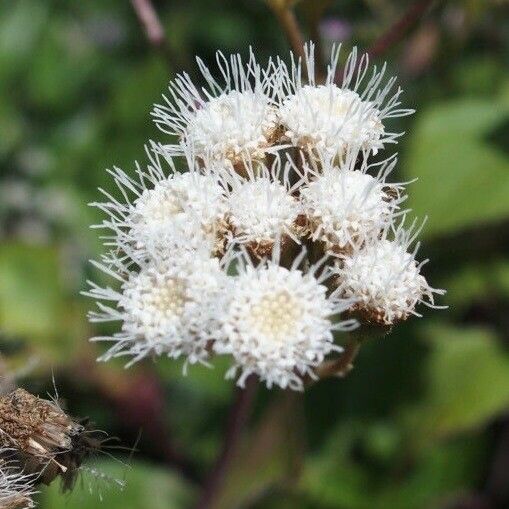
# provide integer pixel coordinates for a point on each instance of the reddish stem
(341, 366)
(397, 31)
(150, 21)
(154, 30)
(237, 419)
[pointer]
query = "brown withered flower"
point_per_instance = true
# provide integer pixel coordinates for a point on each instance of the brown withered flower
(46, 442)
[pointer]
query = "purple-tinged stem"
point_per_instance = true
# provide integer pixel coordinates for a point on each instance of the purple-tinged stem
(237, 418)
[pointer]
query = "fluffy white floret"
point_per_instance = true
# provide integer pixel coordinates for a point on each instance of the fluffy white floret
(168, 307)
(175, 205)
(278, 324)
(261, 207)
(385, 280)
(231, 126)
(331, 119)
(157, 209)
(346, 207)
(223, 121)
(348, 110)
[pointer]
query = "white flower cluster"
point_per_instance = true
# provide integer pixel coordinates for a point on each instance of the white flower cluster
(262, 222)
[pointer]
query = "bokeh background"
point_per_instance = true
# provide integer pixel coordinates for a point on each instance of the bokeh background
(423, 419)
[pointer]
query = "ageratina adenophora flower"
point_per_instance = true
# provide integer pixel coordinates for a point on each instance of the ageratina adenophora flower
(344, 206)
(161, 206)
(261, 207)
(384, 278)
(333, 117)
(170, 306)
(206, 254)
(279, 322)
(230, 119)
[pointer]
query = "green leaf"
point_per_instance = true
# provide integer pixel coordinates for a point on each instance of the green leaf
(437, 472)
(30, 290)
(146, 487)
(331, 478)
(463, 179)
(467, 384)
(346, 473)
(34, 302)
(476, 282)
(478, 76)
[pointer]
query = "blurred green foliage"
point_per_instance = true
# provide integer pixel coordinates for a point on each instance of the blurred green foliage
(419, 423)
(111, 484)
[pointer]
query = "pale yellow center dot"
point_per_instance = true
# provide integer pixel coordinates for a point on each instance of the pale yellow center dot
(275, 315)
(170, 298)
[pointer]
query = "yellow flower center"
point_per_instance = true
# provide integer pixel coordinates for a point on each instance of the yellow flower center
(275, 315)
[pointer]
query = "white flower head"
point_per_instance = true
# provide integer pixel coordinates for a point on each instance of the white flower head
(169, 307)
(222, 121)
(16, 488)
(333, 118)
(261, 207)
(158, 209)
(187, 203)
(279, 323)
(385, 279)
(346, 207)
(273, 310)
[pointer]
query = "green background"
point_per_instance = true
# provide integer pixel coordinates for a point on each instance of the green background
(421, 422)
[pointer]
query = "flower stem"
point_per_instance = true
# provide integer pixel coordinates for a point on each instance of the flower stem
(341, 366)
(237, 418)
(154, 30)
(290, 25)
(397, 31)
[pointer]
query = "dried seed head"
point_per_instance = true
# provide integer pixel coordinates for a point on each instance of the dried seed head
(17, 501)
(34, 426)
(44, 440)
